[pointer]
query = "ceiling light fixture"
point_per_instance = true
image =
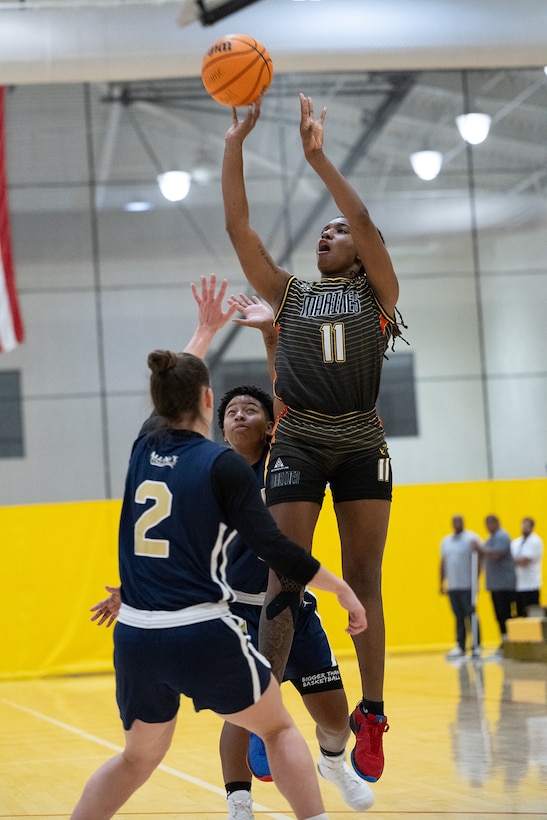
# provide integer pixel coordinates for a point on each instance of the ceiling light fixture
(474, 127)
(426, 164)
(174, 185)
(137, 206)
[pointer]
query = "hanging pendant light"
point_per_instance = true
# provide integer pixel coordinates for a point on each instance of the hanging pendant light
(474, 127)
(174, 185)
(426, 164)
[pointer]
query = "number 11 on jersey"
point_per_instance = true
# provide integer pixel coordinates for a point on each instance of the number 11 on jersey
(334, 342)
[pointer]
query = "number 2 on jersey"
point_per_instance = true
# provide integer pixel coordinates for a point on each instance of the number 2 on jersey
(163, 500)
(334, 342)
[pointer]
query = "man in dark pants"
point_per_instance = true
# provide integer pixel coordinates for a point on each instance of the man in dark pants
(458, 582)
(500, 573)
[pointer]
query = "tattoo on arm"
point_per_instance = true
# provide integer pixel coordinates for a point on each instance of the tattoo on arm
(275, 640)
(277, 624)
(266, 256)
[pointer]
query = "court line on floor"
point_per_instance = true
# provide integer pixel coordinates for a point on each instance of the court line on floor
(162, 767)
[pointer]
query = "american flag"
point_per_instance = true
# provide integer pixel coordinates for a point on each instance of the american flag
(11, 325)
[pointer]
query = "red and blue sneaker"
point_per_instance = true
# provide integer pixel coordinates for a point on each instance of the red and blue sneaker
(367, 758)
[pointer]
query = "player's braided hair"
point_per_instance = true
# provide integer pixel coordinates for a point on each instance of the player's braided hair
(398, 323)
(396, 332)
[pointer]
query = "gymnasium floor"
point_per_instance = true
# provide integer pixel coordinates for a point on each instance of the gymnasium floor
(467, 740)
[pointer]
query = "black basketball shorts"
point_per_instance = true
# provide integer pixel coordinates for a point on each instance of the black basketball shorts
(297, 472)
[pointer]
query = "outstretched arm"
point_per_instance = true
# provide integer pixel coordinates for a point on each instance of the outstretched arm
(370, 247)
(211, 317)
(264, 276)
(257, 314)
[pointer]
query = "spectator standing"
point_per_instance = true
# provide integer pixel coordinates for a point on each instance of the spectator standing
(527, 552)
(500, 573)
(459, 581)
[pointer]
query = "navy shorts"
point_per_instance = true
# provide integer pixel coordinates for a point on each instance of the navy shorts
(311, 666)
(214, 663)
(301, 473)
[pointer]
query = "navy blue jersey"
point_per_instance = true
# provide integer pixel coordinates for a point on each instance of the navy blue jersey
(311, 664)
(248, 574)
(185, 498)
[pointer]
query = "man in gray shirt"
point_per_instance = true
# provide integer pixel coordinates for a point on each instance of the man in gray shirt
(500, 572)
(459, 580)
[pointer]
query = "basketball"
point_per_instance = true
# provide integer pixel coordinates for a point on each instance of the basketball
(236, 70)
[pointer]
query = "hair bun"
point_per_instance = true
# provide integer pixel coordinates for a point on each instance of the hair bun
(161, 360)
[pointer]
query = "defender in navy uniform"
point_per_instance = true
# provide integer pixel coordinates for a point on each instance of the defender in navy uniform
(332, 338)
(184, 501)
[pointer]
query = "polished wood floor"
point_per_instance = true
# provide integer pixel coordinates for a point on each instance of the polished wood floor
(467, 740)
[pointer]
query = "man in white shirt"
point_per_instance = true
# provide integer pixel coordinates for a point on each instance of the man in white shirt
(527, 552)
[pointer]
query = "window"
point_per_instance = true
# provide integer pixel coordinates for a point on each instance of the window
(11, 420)
(397, 399)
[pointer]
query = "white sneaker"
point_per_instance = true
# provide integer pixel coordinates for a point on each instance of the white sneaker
(355, 792)
(240, 805)
(455, 653)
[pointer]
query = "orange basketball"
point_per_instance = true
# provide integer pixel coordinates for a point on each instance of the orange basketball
(236, 70)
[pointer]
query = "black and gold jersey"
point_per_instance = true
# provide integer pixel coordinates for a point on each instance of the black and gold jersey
(332, 336)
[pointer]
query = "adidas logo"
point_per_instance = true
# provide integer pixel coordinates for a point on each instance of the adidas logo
(279, 465)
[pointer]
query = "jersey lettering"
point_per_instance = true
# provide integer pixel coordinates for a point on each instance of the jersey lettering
(330, 304)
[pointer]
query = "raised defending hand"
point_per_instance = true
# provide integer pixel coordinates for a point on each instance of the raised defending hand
(107, 610)
(260, 315)
(255, 313)
(210, 313)
(239, 130)
(311, 129)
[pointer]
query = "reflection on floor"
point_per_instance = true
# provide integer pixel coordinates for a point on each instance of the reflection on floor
(467, 739)
(513, 742)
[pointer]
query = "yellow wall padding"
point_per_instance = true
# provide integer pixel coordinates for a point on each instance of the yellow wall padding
(57, 559)
(417, 616)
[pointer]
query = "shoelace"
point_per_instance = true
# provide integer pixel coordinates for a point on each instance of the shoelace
(243, 806)
(376, 732)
